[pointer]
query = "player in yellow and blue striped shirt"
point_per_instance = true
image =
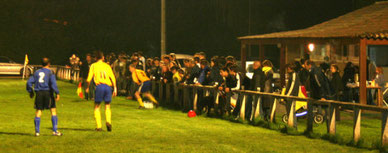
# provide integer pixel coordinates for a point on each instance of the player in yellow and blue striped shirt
(104, 79)
(141, 78)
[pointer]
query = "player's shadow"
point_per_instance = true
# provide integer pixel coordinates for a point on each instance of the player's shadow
(15, 133)
(74, 129)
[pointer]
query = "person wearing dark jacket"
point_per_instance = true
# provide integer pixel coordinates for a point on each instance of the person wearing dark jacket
(348, 78)
(292, 87)
(336, 82)
(85, 66)
(256, 84)
(215, 77)
(258, 78)
(319, 84)
(268, 88)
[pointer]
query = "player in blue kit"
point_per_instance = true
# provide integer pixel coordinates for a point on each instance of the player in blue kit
(44, 84)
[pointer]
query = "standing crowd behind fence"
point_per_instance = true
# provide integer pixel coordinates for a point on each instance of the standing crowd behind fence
(322, 81)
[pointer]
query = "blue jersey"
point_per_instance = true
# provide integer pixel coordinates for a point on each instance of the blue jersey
(43, 80)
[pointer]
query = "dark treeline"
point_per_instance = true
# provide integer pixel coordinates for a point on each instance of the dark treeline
(62, 27)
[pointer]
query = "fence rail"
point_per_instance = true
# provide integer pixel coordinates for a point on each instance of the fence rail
(186, 97)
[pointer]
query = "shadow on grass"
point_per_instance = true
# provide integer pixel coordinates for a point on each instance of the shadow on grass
(15, 133)
(74, 129)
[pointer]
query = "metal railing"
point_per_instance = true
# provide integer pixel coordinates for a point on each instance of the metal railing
(65, 73)
(186, 97)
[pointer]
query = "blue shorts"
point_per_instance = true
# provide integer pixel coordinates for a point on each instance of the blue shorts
(145, 87)
(103, 93)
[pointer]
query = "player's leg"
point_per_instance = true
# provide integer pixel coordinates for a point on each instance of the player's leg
(39, 106)
(108, 113)
(38, 113)
(108, 116)
(54, 121)
(97, 116)
(97, 101)
(139, 99)
(150, 97)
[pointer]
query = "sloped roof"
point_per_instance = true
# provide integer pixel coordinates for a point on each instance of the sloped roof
(367, 22)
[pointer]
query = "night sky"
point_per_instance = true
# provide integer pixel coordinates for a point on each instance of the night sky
(58, 28)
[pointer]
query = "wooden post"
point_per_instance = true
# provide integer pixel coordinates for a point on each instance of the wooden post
(168, 92)
(310, 116)
(216, 100)
(283, 49)
(153, 87)
(362, 72)
(261, 52)
(185, 98)
(273, 110)
(243, 56)
(379, 97)
(384, 130)
(242, 109)
(331, 129)
(258, 111)
(291, 114)
(195, 98)
(176, 95)
(357, 125)
(160, 91)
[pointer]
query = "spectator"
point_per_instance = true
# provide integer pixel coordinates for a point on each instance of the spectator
(166, 74)
(74, 63)
(348, 78)
(267, 100)
(84, 75)
(155, 69)
(304, 74)
(336, 82)
(194, 73)
(292, 87)
(203, 76)
(319, 85)
(258, 78)
(121, 72)
(215, 66)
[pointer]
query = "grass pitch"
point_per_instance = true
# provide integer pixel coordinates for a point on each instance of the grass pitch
(157, 130)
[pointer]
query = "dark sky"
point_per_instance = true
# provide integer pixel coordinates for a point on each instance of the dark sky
(58, 28)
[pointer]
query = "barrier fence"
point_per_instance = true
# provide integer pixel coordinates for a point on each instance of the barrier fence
(186, 97)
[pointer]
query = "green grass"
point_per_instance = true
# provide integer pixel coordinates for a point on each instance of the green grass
(158, 130)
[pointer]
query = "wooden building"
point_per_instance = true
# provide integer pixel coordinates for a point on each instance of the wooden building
(342, 39)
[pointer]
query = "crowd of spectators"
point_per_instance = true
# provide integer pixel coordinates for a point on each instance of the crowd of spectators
(322, 81)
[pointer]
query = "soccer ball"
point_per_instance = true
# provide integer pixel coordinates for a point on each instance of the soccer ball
(148, 105)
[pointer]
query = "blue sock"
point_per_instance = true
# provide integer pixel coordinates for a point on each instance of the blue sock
(37, 124)
(54, 120)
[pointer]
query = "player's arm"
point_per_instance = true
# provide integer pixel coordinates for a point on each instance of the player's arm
(90, 77)
(53, 82)
(113, 80)
(30, 82)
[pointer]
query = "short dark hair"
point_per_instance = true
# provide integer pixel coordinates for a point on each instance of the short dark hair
(196, 59)
(233, 68)
(99, 55)
(292, 66)
(174, 68)
(45, 61)
(133, 65)
(310, 62)
(204, 62)
(225, 69)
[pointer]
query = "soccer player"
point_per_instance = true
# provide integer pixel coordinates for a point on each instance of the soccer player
(104, 79)
(141, 78)
(45, 84)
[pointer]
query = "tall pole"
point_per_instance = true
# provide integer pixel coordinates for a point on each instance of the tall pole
(163, 28)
